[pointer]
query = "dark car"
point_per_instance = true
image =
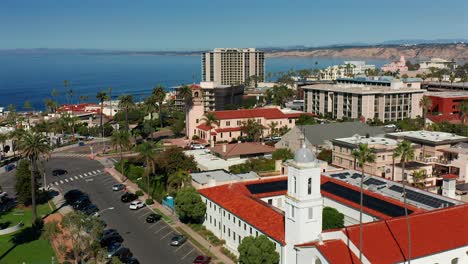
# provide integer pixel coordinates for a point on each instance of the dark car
(112, 249)
(130, 260)
(59, 172)
(108, 232)
(118, 187)
(81, 203)
(202, 260)
(73, 195)
(112, 238)
(178, 240)
(128, 197)
(123, 253)
(91, 210)
(153, 218)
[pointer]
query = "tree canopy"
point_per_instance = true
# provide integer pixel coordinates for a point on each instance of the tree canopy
(332, 218)
(189, 205)
(282, 154)
(259, 250)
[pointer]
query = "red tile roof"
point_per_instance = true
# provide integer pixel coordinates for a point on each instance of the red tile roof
(245, 148)
(450, 176)
(204, 127)
(454, 119)
(236, 199)
(228, 129)
(267, 113)
(336, 251)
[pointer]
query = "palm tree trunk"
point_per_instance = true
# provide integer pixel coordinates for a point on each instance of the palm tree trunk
(160, 117)
(360, 215)
(406, 213)
(102, 128)
(122, 162)
(393, 168)
(33, 191)
(147, 176)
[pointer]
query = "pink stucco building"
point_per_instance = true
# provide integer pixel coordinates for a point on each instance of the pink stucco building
(396, 66)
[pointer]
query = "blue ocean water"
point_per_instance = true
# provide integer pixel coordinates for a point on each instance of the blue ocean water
(33, 76)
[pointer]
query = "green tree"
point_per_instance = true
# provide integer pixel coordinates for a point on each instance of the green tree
(51, 105)
(282, 154)
(405, 151)
(101, 96)
(305, 119)
(23, 183)
(425, 103)
(463, 111)
(419, 177)
(210, 120)
(82, 98)
(279, 95)
(304, 73)
(34, 146)
(178, 180)
(185, 93)
(147, 152)
(126, 103)
(252, 129)
(121, 140)
(363, 155)
(257, 250)
(273, 126)
(177, 123)
(326, 155)
(3, 139)
(189, 205)
(55, 94)
(159, 95)
(172, 160)
(331, 218)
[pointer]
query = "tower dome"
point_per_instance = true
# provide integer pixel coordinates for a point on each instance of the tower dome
(304, 155)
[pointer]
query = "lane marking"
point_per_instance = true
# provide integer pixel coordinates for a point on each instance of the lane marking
(66, 180)
(81, 176)
(153, 225)
(187, 253)
(61, 182)
(179, 247)
(71, 179)
(165, 226)
(143, 215)
(56, 183)
(166, 235)
(76, 177)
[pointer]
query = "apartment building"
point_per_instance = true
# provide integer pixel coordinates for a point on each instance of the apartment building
(215, 97)
(349, 68)
(232, 66)
(437, 63)
(385, 98)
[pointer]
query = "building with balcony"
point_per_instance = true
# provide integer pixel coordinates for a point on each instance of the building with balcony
(215, 97)
(446, 106)
(437, 63)
(395, 66)
(348, 69)
(288, 211)
(364, 98)
(232, 66)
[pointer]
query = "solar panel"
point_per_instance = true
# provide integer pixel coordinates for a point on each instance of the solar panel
(268, 187)
(371, 202)
(356, 175)
(421, 198)
(339, 175)
(374, 182)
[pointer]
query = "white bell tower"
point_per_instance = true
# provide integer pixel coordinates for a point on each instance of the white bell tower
(303, 210)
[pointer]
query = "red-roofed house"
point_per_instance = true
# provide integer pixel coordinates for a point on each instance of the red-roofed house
(288, 210)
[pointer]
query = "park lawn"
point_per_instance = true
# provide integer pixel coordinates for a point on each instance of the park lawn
(38, 251)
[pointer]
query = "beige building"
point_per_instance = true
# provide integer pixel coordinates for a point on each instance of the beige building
(385, 99)
(232, 66)
(383, 149)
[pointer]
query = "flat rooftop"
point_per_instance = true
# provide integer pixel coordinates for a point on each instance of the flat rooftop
(208, 161)
(394, 190)
(452, 94)
(361, 88)
(371, 141)
(430, 136)
(221, 176)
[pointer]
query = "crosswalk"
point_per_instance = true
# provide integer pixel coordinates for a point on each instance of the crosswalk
(113, 160)
(70, 155)
(76, 177)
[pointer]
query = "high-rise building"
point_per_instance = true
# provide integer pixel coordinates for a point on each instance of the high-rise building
(232, 66)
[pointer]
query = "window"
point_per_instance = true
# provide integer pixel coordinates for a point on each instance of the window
(228, 123)
(240, 239)
(294, 179)
(245, 226)
(270, 201)
(256, 233)
(292, 211)
(197, 120)
(215, 222)
(309, 186)
(229, 232)
(224, 229)
(251, 230)
(311, 213)
(239, 122)
(229, 216)
(454, 261)
(290, 121)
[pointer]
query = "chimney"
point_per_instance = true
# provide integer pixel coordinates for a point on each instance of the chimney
(224, 148)
(449, 185)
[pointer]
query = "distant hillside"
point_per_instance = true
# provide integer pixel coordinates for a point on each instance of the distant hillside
(458, 52)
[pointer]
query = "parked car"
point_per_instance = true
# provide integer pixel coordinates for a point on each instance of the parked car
(197, 146)
(202, 260)
(108, 232)
(91, 210)
(123, 253)
(111, 238)
(73, 195)
(153, 218)
(59, 172)
(112, 249)
(178, 240)
(81, 203)
(130, 260)
(128, 197)
(118, 187)
(136, 205)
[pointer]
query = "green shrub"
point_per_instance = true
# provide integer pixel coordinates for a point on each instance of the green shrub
(139, 193)
(229, 254)
(149, 201)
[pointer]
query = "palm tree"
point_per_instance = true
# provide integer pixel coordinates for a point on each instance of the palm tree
(159, 95)
(418, 178)
(252, 129)
(177, 180)
(364, 155)
(3, 139)
(50, 105)
(33, 146)
(186, 94)
(110, 99)
(463, 111)
(273, 126)
(55, 94)
(101, 96)
(405, 151)
(15, 136)
(121, 139)
(210, 120)
(83, 98)
(126, 103)
(425, 103)
(148, 153)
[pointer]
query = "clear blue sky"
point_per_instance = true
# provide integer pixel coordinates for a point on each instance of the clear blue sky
(202, 24)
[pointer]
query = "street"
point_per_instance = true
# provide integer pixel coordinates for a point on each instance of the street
(148, 242)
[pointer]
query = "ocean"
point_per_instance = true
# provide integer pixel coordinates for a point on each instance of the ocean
(32, 76)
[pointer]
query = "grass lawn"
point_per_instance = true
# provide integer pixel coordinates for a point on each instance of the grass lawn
(36, 251)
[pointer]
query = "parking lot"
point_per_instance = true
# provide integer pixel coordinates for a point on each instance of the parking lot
(148, 242)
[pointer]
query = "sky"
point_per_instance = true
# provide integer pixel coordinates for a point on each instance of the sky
(203, 24)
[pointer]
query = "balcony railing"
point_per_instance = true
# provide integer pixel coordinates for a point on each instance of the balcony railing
(433, 160)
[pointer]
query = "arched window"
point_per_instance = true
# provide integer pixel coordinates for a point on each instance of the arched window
(455, 261)
(196, 94)
(309, 186)
(318, 261)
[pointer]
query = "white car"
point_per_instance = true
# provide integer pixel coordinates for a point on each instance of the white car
(197, 146)
(136, 205)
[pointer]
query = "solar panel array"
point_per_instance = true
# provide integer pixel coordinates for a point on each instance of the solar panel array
(421, 198)
(373, 203)
(340, 175)
(268, 187)
(356, 175)
(374, 182)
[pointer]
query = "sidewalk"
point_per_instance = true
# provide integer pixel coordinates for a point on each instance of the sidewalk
(216, 251)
